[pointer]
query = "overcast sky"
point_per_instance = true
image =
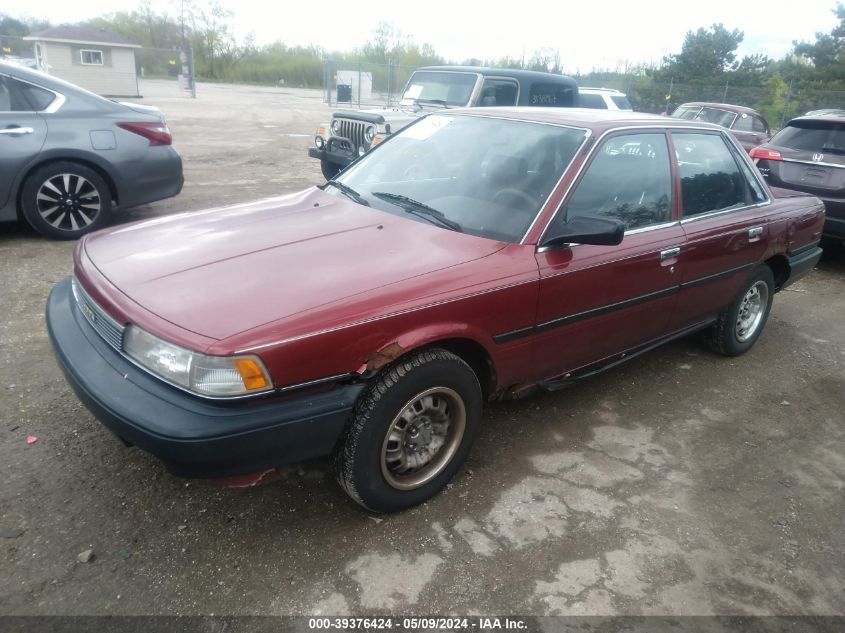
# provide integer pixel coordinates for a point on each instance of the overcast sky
(594, 35)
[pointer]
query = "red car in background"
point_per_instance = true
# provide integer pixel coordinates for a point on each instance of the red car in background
(470, 257)
(748, 126)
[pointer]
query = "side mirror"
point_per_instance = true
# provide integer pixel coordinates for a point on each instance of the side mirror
(586, 230)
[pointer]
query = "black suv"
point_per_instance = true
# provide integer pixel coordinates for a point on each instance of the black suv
(809, 155)
(352, 133)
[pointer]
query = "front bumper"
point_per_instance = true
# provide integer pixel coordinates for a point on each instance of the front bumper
(192, 436)
(332, 153)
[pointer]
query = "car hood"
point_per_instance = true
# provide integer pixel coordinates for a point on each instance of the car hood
(224, 271)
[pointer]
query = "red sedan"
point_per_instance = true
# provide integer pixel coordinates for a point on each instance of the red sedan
(470, 257)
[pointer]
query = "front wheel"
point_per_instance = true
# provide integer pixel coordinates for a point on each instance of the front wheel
(410, 432)
(330, 170)
(738, 328)
(65, 200)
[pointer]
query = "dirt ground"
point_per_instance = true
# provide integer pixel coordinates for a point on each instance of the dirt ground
(681, 483)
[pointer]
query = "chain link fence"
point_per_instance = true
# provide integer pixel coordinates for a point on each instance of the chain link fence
(363, 84)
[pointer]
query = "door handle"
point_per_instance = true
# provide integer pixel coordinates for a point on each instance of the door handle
(757, 231)
(17, 130)
(669, 253)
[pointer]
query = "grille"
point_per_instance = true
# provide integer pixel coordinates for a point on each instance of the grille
(354, 131)
(106, 327)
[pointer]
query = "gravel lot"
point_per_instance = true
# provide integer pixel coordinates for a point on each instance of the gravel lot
(680, 483)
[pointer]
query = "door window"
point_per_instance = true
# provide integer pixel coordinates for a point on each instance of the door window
(711, 179)
(498, 92)
(743, 123)
(629, 179)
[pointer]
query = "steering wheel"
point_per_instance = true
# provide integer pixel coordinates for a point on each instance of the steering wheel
(513, 192)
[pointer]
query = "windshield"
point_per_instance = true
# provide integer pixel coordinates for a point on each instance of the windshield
(445, 88)
(482, 176)
(812, 136)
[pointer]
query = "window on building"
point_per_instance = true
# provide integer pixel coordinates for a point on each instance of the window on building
(91, 57)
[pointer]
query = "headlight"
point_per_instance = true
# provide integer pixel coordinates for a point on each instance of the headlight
(362, 150)
(319, 142)
(335, 127)
(215, 376)
(369, 134)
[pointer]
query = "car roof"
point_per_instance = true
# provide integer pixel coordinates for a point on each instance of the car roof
(516, 73)
(722, 106)
(589, 90)
(596, 120)
(834, 117)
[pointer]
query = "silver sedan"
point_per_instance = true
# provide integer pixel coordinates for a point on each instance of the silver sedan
(69, 157)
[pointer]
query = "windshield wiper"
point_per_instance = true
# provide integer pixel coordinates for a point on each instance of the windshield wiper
(349, 191)
(441, 102)
(415, 207)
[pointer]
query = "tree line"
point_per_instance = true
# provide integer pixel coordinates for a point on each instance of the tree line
(706, 68)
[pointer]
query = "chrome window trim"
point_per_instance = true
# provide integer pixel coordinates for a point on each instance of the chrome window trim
(711, 214)
(808, 162)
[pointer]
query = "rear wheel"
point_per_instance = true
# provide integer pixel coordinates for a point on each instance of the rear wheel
(739, 327)
(411, 431)
(65, 200)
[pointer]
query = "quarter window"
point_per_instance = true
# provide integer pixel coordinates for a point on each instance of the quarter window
(628, 180)
(742, 123)
(592, 101)
(759, 125)
(711, 180)
(91, 57)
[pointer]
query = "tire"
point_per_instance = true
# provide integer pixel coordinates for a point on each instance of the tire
(388, 461)
(738, 328)
(330, 170)
(81, 196)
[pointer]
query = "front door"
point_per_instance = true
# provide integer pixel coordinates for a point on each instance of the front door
(597, 302)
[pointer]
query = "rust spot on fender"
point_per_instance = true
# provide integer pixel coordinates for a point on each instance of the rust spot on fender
(384, 356)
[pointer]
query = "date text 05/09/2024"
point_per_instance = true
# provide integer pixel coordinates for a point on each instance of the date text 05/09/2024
(476, 623)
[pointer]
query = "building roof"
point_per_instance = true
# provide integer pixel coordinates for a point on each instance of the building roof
(81, 35)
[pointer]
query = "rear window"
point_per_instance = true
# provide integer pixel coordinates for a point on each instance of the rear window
(592, 101)
(621, 102)
(828, 136)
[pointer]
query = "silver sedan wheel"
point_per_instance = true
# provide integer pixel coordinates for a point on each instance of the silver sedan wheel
(68, 202)
(422, 439)
(751, 311)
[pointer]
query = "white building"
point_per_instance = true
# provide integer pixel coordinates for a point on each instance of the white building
(92, 58)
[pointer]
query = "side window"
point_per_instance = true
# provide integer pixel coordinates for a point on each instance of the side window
(758, 125)
(592, 101)
(550, 95)
(11, 99)
(629, 179)
(498, 92)
(37, 98)
(710, 177)
(742, 123)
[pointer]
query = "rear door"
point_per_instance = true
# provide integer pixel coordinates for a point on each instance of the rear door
(597, 302)
(22, 132)
(723, 214)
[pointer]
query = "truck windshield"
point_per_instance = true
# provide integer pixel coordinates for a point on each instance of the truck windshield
(444, 88)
